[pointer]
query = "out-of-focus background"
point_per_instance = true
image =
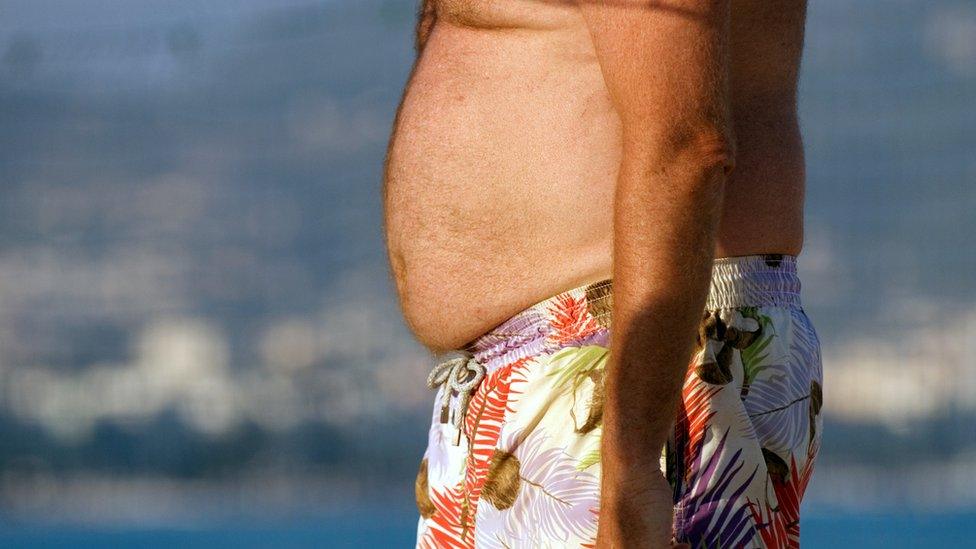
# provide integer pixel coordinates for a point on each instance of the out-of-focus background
(199, 342)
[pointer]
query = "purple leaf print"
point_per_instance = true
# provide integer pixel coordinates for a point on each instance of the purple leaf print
(555, 503)
(778, 402)
(710, 514)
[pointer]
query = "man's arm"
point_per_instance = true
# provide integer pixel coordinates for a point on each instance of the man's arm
(665, 63)
(425, 21)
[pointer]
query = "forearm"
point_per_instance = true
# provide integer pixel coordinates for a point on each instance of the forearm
(665, 219)
(666, 68)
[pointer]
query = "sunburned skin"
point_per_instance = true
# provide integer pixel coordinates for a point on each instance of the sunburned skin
(504, 158)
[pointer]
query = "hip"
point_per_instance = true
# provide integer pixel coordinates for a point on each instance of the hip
(518, 459)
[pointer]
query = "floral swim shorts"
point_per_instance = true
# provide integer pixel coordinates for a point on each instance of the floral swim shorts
(513, 458)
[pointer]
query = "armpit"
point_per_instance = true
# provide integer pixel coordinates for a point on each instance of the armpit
(426, 15)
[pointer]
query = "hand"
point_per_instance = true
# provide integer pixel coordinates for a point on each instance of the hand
(637, 511)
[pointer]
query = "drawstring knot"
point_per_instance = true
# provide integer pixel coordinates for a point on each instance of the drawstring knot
(460, 374)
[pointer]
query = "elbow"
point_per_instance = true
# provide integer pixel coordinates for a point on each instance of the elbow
(706, 151)
(711, 149)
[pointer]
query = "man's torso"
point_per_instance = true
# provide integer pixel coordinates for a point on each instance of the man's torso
(503, 162)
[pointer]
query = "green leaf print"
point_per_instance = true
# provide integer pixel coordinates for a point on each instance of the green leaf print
(753, 355)
(580, 362)
(572, 367)
(590, 459)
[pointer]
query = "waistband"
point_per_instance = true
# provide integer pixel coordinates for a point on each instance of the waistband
(581, 316)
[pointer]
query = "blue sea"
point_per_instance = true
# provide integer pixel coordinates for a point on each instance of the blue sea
(364, 529)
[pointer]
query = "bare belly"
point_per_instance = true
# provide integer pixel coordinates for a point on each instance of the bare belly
(501, 174)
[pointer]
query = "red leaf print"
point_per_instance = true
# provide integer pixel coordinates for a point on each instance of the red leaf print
(694, 414)
(483, 423)
(571, 320)
(445, 527)
(452, 523)
(781, 527)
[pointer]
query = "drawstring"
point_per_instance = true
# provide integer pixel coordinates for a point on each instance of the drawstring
(455, 375)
